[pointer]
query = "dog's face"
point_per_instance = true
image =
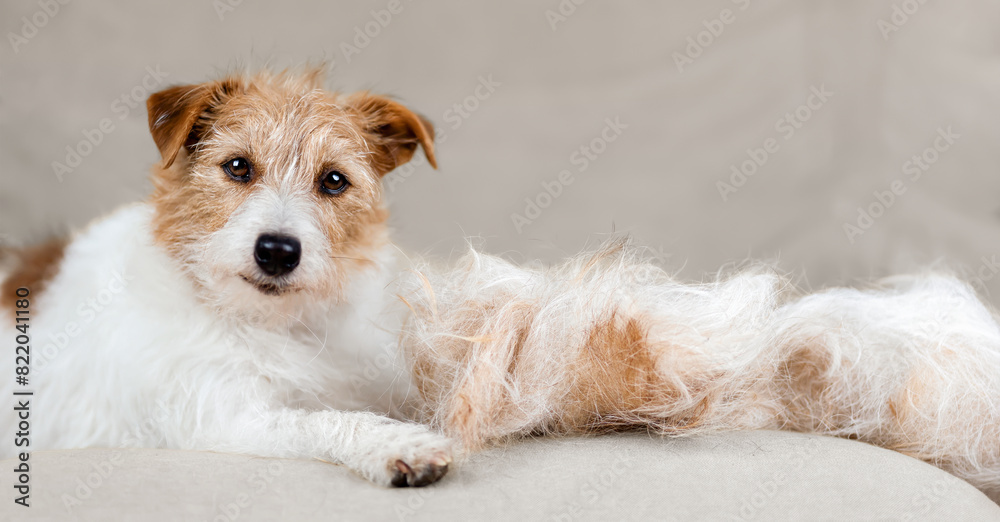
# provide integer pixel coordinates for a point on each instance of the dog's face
(270, 186)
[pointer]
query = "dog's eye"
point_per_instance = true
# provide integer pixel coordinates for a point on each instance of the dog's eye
(333, 182)
(238, 169)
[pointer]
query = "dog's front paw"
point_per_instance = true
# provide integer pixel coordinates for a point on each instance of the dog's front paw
(419, 458)
(411, 455)
(422, 472)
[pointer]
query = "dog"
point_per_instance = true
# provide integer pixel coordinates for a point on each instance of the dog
(234, 310)
(228, 311)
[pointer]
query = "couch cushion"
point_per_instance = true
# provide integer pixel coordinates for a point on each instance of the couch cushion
(733, 476)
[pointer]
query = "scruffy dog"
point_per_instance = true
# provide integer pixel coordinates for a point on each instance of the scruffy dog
(255, 304)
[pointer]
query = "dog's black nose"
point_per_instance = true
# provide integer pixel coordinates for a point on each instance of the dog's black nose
(277, 255)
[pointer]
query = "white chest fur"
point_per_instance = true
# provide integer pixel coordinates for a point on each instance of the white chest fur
(126, 352)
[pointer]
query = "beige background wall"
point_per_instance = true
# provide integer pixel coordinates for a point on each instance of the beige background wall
(553, 88)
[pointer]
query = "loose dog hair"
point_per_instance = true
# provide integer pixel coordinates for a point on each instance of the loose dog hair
(235, 306)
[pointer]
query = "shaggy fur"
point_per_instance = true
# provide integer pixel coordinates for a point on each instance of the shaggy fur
(608, 341)
(157, 326)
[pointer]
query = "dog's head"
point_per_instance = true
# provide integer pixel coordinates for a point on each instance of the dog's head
(270, 185)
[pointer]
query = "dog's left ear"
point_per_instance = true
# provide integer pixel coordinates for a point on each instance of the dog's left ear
(178, 116)
(393, 130)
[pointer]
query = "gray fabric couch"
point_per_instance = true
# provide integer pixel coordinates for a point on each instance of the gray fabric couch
(736, 476)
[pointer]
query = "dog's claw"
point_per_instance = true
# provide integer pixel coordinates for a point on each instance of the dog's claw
(399, 477)
(431, 472)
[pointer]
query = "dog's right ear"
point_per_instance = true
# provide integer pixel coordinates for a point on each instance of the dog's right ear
(174, 114)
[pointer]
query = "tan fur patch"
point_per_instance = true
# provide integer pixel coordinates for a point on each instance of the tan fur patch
(801, 380)
(808, 391)
(479, 379)
(619, 385)
(615, 375)
(34, 267)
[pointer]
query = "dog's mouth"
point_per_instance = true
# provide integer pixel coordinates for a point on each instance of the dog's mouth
(267, 287)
